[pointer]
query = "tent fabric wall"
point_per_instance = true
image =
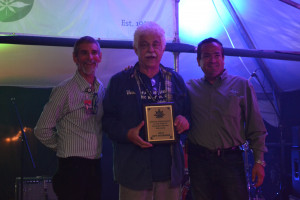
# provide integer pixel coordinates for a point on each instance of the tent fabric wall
(47, 66)
(103, 19)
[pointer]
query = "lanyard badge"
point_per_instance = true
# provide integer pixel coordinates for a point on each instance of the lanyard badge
(91, 101)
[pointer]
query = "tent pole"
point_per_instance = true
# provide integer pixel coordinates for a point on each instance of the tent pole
(271, 81)
(251, 45)
(176, 37)
(249, 42)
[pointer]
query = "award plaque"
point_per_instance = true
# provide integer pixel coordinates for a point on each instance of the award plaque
(159, 126)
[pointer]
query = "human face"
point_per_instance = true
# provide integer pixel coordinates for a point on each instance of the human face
(87, 59)
(149, 51)
(211, 61)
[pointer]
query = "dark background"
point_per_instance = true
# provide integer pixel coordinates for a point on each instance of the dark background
(30, 103)
(281, 181)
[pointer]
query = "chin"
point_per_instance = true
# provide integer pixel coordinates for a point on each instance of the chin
(89, 72)
(152, 64)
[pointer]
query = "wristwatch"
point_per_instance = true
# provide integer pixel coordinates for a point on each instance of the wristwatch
(261, 162)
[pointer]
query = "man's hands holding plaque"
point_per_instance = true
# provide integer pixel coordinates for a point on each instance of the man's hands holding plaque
(181, 124)
(133, 136)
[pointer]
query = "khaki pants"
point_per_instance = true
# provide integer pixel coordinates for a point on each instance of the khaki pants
(160, 191)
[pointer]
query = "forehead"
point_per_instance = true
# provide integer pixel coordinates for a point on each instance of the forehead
(151, 37)
(211, 48)
(88, 46)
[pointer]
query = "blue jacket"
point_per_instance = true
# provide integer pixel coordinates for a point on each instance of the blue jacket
(123, 111)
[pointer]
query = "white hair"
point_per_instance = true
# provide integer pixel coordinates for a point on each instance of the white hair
(149, 28)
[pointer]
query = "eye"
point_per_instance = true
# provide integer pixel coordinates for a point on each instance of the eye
(83, 52)
(156, 44)
(205, 56)
(144, 45)
(95, 52)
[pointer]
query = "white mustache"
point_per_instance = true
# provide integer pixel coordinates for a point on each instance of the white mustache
(150, 55)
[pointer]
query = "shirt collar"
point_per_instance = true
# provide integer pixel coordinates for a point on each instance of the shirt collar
(220, 77)
(162, 70)
(83, 84)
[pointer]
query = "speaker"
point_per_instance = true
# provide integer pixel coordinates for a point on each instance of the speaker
(35, 188)
(296, 170)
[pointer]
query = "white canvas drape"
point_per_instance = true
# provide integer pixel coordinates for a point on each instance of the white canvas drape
(112, 20)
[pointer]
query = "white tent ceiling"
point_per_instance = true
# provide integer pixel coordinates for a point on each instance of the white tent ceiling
(269, 25)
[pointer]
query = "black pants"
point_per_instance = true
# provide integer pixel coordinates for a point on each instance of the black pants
(78, 179)
(217, 174)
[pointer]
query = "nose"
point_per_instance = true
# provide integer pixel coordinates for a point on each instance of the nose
(151, 48)
(212, 59)
(90, 56)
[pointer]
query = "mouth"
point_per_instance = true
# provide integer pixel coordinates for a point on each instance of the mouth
(90, 64)
(212, 67)
(150, 57)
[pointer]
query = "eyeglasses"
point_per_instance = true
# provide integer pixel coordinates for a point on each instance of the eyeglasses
(153, 83)
(95, 103)
(91, 104)
(154, 45)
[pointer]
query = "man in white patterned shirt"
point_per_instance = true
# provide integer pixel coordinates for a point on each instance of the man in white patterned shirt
(70, 124)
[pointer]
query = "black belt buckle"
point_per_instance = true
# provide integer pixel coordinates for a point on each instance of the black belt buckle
(218, 152)
(203, 151)
(228, 150)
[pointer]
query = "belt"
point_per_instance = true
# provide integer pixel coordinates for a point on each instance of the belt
(200, 150)
(78, 160)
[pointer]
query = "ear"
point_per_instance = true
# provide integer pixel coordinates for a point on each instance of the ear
(198, 61)
(75, 59)
(135, 50)
(100, 56)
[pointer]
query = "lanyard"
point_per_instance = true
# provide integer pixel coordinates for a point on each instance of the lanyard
(140, 81)
(91, 100)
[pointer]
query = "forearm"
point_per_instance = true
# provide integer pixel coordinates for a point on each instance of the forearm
(45, 129)
(257, 144)
(46, 136)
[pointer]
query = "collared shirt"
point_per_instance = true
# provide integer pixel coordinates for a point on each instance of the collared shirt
(161, 153)
(67, 125)
(151, 92)
(226, 114)
(166, 75)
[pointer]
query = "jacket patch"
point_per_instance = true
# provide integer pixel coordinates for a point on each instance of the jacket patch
(128, 92)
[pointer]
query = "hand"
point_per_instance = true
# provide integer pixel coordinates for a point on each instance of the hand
(133, 136)
(258, 172)
(128, 67)
(181, 124)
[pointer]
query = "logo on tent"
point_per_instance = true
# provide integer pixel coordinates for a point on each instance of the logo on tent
(13, 10)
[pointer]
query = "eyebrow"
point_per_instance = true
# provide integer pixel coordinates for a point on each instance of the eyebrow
(216, 52)
(85, 50)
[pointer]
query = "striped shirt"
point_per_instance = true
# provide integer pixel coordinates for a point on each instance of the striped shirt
(67, 124)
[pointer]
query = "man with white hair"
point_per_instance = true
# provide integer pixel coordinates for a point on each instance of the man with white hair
(145, 170)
